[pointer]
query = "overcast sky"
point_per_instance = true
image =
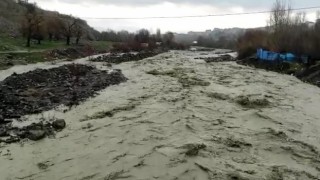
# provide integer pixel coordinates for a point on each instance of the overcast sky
(89, 9)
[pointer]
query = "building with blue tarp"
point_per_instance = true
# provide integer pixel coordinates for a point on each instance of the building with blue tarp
(275, 57)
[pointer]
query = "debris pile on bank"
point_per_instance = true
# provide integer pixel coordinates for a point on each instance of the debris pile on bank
(40, 90)
(71, 53)
(282, 67)
(222, 58)
(311, 75)
(44, 89)
(34, 132)
(118, 58)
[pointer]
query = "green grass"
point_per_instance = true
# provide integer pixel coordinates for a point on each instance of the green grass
(33, 57)
(21, 58)
(11, 44)
(101, 45)
(19, 44)
(47, 45)
(19, 54)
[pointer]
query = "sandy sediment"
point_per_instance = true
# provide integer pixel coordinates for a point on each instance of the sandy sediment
(178, 117)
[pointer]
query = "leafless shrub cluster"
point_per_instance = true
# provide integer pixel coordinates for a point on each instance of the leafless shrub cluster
(286, 32)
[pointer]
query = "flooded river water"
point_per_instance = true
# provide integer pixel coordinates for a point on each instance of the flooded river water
(178, 117)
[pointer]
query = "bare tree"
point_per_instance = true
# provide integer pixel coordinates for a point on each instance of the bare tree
(280, 15)
(54, 26)
(31, 23)
(316, 37)
(317, 25)
(299, 32)
(39, 31)
(78, 31)
(158, 35)
(279, 24)
(250, 41)
(143, 36)
(168, 38)
(68, 29)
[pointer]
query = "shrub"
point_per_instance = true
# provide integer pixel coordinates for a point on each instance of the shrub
(250, 41)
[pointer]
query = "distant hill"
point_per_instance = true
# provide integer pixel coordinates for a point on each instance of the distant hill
(215, 34)
(12, 13)
(217, 38)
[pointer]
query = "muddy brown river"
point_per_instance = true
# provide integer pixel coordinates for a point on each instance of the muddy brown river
(178, 117)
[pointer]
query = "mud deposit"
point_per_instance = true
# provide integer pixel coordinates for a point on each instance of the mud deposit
(178, 117)
(44, 89)
(71, 53)
(118, 58)
(311, 75)
(34, 131)
(222, 58)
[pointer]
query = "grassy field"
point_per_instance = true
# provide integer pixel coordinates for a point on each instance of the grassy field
(13, 50)
(9, 59)
(19, 44)
(100, 45)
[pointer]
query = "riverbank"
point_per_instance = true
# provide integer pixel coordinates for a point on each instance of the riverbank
(308, 74)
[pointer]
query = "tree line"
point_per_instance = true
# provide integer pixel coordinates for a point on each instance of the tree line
(286, 32)
(141, 40)
(36, 25)
(222, 42)
(141, 36)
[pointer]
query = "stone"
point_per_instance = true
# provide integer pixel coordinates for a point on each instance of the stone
(1, 119)
(59, 124)
(3, 132)
(9, 56)
(36, 135)
(11, 139)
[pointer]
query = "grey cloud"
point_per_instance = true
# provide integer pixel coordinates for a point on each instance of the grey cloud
(247, 4)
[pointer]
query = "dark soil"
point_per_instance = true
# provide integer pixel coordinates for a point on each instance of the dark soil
(311, 75)
(283, 67)
(222, 58)
(71, 53)
(252, 102)
(41, 90)
(34, 132)
(118, 58)
(193, 149)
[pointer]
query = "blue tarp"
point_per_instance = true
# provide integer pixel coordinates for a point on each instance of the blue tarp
(273, 56)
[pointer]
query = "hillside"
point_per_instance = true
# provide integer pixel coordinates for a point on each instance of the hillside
(215, 34)
(217, 37)
(48, 40)
(13, 13)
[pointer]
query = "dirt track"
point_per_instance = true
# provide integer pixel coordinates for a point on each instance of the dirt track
(181, 118)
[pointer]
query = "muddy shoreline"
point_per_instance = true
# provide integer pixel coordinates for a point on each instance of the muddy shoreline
(118, 58)
(44, 89)
(309, 74)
